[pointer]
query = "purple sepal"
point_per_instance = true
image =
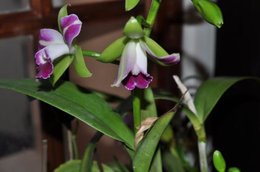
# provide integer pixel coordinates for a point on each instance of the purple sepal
(45, 70)
(71, 26)
(141, 81)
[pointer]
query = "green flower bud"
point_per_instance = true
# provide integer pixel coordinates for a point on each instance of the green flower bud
(133, 29)
(219, 161)
(209, 11)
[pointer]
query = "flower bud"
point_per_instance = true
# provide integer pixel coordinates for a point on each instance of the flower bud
(133, 29)
(209, 11)
(219, 161)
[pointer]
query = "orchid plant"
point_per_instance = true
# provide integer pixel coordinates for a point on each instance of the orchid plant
(57, 51)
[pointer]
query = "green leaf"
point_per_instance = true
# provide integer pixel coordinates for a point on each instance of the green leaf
(133, 29)
(130, 4)
(146, 149)
(113, 51)
(211, 91)
(69, 166)
(151, 111)
(219, 161)
(60, 67)
(74, 166)
(62, 13)
(233, 169)
(83, 105)
(172, 162)
(105, 168)
(209, 11)
(79, 63)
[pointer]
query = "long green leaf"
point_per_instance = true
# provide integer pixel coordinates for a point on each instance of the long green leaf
(146, 149)
(85, 106)
(211, 91)
(151, 111)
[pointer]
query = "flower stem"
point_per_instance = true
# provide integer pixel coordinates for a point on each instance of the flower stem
(74, 146)
(87, 160)
(203, 156)
(136, 109)
(90, 53)
(152, 16)
(202, 147)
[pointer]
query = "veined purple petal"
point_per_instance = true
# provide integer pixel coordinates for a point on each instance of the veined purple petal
(140, 81)
(127, 63)
(165, 60)
(50, 36)
(45, 70)
(71, 26)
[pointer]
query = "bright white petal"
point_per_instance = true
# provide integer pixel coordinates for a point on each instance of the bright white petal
(127, 62)
(141, 61)
(56, 50)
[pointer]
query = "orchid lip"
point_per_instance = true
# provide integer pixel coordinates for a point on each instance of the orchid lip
(140, 81)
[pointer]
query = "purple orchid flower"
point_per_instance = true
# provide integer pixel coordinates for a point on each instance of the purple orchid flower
(53, 44)
(133, 49)
(132, 71)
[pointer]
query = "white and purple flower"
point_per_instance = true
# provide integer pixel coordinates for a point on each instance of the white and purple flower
(133, 49)
(54, 44)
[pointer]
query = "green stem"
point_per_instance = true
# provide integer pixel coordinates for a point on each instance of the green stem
(202, 147)
(136, 109)
(86, 165)
(90, 53)
(152, 16)
(203, 156)
(74, 146)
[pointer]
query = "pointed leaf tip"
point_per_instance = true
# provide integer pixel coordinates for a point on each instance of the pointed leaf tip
(130, 4)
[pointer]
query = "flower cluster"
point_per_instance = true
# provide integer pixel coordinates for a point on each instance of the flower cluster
(132, 49)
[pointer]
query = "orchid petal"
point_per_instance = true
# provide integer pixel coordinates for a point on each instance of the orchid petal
(127, 62)
(49, 37)
(45, 70)
(141, 61)
(51, 52)
(71, 26)
(113, 51)
(158, 54)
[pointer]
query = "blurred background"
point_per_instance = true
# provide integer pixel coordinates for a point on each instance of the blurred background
(33, 135)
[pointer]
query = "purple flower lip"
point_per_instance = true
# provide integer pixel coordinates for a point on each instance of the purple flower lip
(53, 44)
(132, 72)
(141, 81)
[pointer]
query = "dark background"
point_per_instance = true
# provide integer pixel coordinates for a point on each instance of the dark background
(236, 126)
